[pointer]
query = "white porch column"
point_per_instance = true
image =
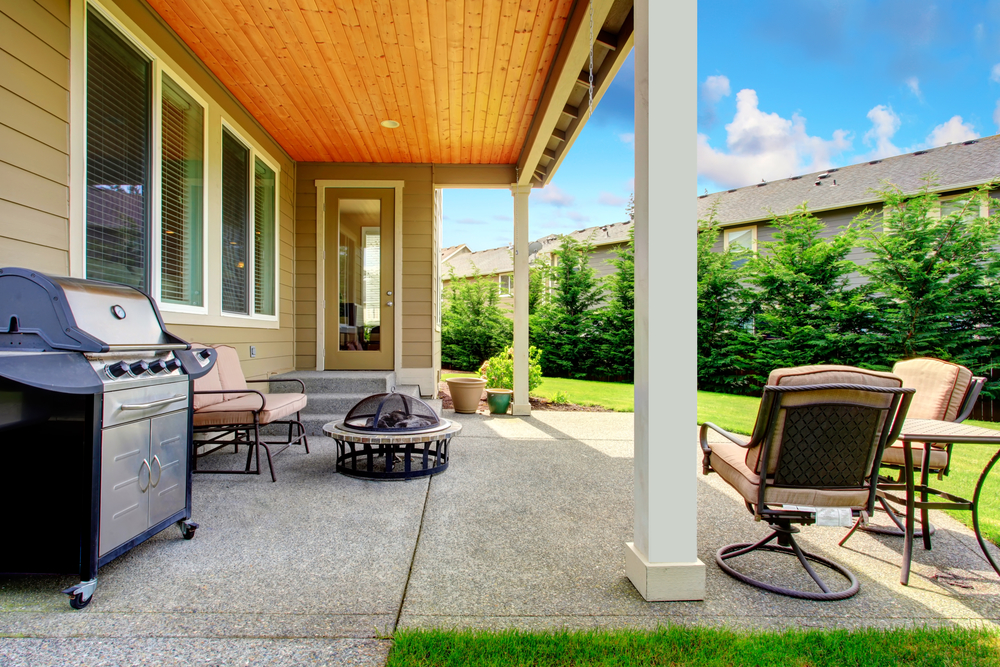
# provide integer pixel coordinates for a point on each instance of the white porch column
(663, 561)
(521, 405)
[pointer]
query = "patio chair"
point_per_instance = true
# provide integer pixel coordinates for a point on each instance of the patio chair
(944, 391)
(819, 435)
(227, 412)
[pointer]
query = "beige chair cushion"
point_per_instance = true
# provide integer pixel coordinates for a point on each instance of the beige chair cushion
(230, 371)
(894, 456)
(825, 374)
(240, 410)
(730, 462)
(941, 386)
(210, 381)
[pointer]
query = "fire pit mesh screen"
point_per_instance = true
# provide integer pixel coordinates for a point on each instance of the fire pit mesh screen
(391, 413)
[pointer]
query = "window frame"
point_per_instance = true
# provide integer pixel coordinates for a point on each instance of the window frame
(255, 154)
(154, 222)
(510, 285)
(742, 228)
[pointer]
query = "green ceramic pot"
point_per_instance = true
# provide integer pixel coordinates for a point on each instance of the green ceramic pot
(499, 400)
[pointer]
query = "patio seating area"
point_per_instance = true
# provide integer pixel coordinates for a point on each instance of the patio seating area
(525, 529)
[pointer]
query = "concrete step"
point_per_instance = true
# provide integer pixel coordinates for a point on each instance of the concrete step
(332, 403)
(337, 382)
(314, 421)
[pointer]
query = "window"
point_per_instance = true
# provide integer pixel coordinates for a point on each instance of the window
(248, 230)
(740, 239)
(144, 226)
(506, 284)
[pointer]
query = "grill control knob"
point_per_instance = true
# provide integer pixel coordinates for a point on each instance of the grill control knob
(157, 366)
(138, 368)
(204, 354)
(172, 365)
(115, 371)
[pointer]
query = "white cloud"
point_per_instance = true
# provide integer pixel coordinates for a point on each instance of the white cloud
(715, 88)
(503, 217)
(995, 73)
(576, 216)
(913, 83)
(608, 199)
(470, 221)
(951, 132)
(885, 123)
(996, 115)
(551, 194)
(627, 138)
(765, 146)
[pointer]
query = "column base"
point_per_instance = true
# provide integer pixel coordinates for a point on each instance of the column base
(663, 582)
(522, 410)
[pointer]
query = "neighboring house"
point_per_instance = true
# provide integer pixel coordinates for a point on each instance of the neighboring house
(497, 264)
(837, 196)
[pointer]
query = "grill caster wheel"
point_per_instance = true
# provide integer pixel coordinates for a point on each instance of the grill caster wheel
(187, 529)
(77, 601)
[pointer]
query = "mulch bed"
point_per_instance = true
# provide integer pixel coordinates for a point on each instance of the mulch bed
(536, 404)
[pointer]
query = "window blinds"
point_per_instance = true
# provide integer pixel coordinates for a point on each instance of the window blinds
(263, 259)
(235, 218)
(118, 120)
(181, 196)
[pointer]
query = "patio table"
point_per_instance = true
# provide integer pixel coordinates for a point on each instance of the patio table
(938, 432)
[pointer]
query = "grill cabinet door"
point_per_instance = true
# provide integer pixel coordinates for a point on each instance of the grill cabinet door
(124, 482)
(168, 447)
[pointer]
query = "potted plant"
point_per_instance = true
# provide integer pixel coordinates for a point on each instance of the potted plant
(498, 373)
(465, 393)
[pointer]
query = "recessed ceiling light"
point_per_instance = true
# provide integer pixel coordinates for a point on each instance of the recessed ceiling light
(391, 124)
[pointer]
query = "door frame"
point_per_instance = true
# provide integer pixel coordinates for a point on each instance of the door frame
(397, 270)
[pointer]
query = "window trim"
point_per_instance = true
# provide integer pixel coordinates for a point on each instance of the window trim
(255, 154)
(510, 285)
(935, 212)
(742, 228)
(157, 69)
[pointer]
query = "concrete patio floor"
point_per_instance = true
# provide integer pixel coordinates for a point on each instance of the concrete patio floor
(526, 529)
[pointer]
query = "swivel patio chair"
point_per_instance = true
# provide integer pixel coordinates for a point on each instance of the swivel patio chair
(819, 435)
(227, 412)
(944, 391)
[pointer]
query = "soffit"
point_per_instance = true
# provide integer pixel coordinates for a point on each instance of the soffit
(464, 78)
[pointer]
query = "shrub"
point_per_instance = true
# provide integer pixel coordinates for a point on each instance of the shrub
(473, 326)
(498, 370)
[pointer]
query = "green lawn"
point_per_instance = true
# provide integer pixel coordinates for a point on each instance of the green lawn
(617, 396)
(738, 413)
(704, 647)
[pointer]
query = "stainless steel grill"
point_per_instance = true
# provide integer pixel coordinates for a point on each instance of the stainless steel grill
(94, 387)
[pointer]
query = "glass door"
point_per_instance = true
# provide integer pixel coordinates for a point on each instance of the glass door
(359, 279)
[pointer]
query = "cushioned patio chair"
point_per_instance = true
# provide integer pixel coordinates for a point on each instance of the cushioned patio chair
(227, 412)
(819, 435)
(944, 391)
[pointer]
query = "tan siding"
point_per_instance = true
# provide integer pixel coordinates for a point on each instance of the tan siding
(418, 255)
(34, 136)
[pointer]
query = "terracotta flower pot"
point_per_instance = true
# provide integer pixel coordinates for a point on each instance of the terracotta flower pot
(499, 400)
(465, 393)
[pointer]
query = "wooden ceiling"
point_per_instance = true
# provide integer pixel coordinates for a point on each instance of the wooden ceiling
(462, 77)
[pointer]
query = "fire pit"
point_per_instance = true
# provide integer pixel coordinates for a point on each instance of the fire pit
(392, 436)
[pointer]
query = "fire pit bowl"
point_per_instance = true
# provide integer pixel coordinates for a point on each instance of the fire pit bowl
(392, 436)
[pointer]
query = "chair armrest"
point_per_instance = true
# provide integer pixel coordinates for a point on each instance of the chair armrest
(302, 385)
(706, 465)
(256, 411)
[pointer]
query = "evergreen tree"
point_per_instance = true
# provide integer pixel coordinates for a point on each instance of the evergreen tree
(617, 356)
(473, 325)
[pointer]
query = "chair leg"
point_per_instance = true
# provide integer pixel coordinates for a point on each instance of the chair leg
(784, 532)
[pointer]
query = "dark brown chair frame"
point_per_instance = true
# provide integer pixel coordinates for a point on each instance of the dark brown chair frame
(968, 403)
(781, 520)
(237, 434)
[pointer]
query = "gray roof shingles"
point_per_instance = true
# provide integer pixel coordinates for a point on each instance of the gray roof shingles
(954, 166)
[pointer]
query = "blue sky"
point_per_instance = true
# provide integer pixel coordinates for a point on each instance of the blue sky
(786, 87)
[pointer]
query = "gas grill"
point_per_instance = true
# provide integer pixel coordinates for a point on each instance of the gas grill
(95, 424)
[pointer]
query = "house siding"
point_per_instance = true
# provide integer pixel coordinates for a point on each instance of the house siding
(34, 134)
(420, 342)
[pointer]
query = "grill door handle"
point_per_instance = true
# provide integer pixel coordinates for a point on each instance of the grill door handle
(159, 471)
(153, 404)
(144, 463)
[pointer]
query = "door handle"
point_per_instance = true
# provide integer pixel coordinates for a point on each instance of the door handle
(153, 404)
(144, 463)
(159, 471)
(388, 303)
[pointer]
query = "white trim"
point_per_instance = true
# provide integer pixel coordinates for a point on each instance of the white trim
(78, 139)
(730, 230)
(397, 288)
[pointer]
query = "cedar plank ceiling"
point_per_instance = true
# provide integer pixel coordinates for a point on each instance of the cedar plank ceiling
(463, 77)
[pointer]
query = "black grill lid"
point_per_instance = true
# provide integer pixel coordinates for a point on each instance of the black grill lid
(391, 413)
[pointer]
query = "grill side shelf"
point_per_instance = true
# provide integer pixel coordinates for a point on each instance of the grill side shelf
(193, 365)
(64, 372)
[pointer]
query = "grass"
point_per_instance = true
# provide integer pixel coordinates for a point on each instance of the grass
(705, 647)
(738, 413)
(617, 396)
